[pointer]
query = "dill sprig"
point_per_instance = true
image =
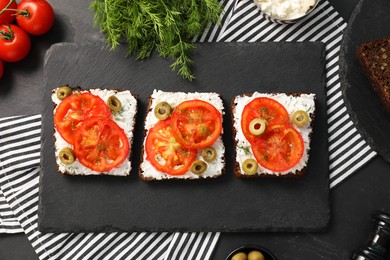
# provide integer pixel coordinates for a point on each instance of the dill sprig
(167, 26)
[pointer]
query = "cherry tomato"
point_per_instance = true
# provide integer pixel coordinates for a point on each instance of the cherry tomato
(265, 108)
(36, 17)
(196, 124)
(100, 145)
(14, 43)
(280, 148)
(165, 153)
(75, 109)
(1, 69)
(7, 17)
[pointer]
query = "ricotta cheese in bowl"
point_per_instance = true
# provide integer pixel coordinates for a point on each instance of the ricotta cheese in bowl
(286, 10)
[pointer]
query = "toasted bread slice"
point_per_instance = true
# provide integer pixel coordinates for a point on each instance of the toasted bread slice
(125, 119)
(292, 102)
(147, 171)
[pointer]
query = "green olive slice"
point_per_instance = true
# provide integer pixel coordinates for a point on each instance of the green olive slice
(249, 166)
(162, 110)
(67, 156)
(209, 154)
(257, 126)
(63, 92)
(300, 118)
(114, 104)
(198, 167)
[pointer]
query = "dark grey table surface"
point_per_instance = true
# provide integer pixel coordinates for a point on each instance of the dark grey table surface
(352, 202)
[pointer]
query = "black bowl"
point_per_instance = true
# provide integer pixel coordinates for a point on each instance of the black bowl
(246, 249)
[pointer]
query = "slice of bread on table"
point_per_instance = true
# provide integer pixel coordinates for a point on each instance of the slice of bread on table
(374, 59)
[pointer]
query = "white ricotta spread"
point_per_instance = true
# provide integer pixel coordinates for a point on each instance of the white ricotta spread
(124, 118)
(173, 99)
(285, 9)
(303, 102)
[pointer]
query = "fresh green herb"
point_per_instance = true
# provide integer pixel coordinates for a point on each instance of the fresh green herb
(246, 149)
(163, 25)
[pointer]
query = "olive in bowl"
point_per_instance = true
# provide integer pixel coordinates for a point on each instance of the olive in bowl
(251, 253)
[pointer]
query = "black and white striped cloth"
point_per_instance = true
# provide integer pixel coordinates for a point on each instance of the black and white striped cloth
(8, 222)
(20, 151)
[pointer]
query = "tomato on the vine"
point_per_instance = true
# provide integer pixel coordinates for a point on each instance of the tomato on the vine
(1, 69)
(7, 16)
(36, 17)
(14, 43)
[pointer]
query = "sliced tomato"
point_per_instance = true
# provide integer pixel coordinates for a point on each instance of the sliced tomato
(165, 153)
(196, 124)
(279, 149)
(265, 108)
(75, 109)
(100, 145)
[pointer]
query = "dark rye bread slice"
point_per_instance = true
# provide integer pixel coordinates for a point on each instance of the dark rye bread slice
(237, 168)
(148, 179)
(129, 158)
(374, 59)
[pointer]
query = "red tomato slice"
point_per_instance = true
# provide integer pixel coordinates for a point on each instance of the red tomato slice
(100, 144)
(75, 109)
(165, 153)
(196, 124)
(280, 148)
(265, 108)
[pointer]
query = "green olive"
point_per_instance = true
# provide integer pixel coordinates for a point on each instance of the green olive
(300, 118)
(257, 126)
(114, 104)
(162, 110)
(240, 256)
(255, 255)
(198, 167)
(63, 92)
(250, 166)
(209, 154)
(67, 156)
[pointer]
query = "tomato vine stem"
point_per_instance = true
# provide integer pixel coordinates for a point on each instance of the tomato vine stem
(6, 7)
(7, 35)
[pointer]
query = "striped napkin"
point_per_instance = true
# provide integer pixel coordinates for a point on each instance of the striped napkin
(20, 150)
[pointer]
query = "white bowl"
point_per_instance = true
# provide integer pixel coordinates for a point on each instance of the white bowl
(278, 20)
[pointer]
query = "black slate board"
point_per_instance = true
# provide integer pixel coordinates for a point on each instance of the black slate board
(369, 21)
(85, 204)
